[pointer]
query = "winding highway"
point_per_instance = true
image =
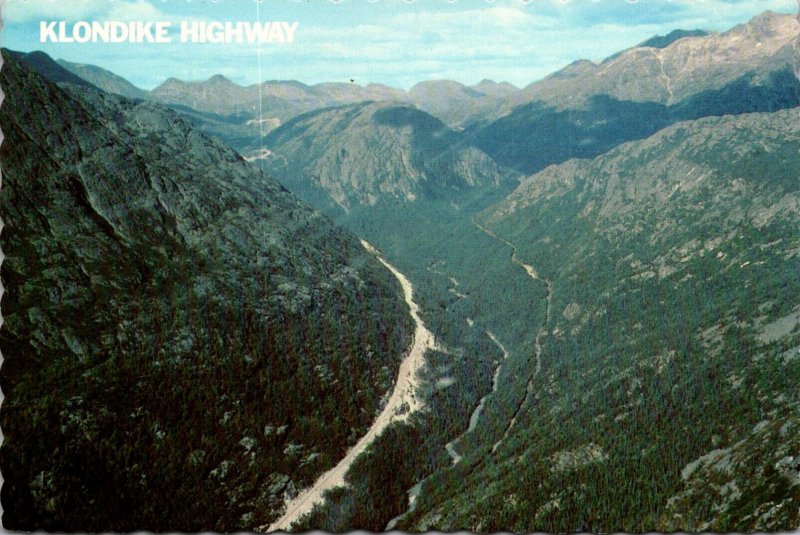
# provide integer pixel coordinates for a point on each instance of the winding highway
(401, 404)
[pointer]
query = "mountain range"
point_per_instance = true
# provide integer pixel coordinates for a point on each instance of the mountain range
(586, 108)
(606, 259)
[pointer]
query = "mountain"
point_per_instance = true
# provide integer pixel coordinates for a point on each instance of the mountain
(663, 395)
(495, 89)
(44, 64)
(587, 108)
(376, 153)
(445, 99)
(185, 343)
(663, 41)
(455, 103)
(683, 68)
(241, 116)
(222, 108)
(103, 79)
(280, 100)
(216, 95)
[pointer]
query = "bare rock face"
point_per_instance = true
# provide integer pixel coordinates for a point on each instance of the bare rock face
(687, 64)
(374, 153)
(587, 109)
(166, 302)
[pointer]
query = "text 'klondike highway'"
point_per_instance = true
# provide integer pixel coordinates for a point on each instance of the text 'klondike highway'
(214, 32)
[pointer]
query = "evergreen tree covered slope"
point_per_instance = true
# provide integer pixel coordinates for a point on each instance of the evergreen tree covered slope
(667, 396)
(185, 343)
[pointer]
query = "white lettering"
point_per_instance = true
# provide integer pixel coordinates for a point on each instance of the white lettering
(162, 32)
(276, 34)
(47, 32)
(214, 32)
(190, 32)
(82, 32)
(62, 33)
(144, 32)
(257, 32)
(100, 32)
(289, 29)
(119, 32)
(159, 32)
(234, 32)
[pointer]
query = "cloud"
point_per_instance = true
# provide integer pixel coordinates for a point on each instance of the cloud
(19, 11)
(505, 40)
(394, 41)
(22, 11)
(134, 11)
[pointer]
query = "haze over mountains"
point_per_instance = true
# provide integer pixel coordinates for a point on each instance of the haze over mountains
(281, 99)
(683, 75)
(607, 259)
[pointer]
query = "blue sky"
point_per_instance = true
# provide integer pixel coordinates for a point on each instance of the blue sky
(394, 42)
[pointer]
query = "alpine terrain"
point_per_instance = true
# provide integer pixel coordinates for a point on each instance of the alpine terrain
(186, 344)
(568, 307)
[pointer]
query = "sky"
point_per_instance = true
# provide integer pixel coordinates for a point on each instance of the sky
(393, 42)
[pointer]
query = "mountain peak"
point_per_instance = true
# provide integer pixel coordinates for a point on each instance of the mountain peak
(440, 85)
(170, 82)
(770, 25)
(663, 41)
(218, 78)
(46, 66)
(490, 87)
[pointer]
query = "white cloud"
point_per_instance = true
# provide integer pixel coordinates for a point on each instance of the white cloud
(17, 11)
(134, 11)
(21, 11)
(399, 43)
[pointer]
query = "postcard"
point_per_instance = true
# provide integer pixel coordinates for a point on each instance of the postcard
(400, 265)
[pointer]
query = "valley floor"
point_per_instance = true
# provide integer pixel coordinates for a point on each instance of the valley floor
(401, 404)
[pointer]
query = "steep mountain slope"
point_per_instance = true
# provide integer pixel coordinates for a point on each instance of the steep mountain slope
(377, 153)
(684, 67)
(669, 356)
(185, 343)
(663, 41)
(105, 80)
(586, 108)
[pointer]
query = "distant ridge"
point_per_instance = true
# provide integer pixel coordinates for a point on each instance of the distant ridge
(104, 79)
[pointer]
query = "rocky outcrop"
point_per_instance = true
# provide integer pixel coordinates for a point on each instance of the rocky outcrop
(372, 153)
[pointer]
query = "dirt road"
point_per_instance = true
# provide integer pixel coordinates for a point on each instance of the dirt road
(401, 404)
